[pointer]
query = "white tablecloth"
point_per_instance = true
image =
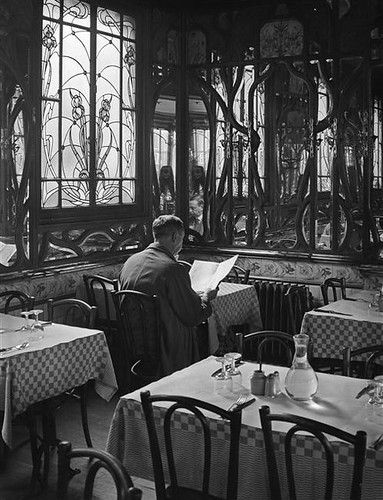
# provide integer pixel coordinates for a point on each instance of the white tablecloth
(66, 357)
(235, 304)
(356, 326)
(334, 404)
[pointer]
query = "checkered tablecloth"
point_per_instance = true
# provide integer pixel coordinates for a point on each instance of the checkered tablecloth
(128, 439)
(66, 357)
(235, 304)
(331, 332)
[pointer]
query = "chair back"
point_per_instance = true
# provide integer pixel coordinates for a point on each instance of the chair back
(361, 362)
(267, 346)
(194, 406)
(73, 312)
(98, 291)
(185, 264)
(319, 431)
(14, 299)
(102, 460)
(335, 285)
(140, 332)
(238, 275)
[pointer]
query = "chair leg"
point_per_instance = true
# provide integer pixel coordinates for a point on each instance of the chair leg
(35, 450)
(84, 414)
(49, 441)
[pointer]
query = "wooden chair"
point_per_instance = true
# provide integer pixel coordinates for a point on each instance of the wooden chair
(269, 346)
(238, 275)
(103, 460)
(185, 264)
(98, 292)
(335, 285)
(365, 366)
(73, 312)
(14, 299)
(174, 491)
(139, 325)
(317, 429)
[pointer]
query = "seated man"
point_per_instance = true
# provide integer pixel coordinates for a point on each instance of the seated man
(155, 271)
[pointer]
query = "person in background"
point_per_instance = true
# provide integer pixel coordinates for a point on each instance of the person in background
(155, 270)
(195, 214)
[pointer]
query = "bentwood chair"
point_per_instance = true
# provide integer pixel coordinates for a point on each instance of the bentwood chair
(335, 285)
(267, 346)
(362, 363)
(319, 431)
(100, 460)
(73, 312)
(185, 264)
(174, 491)
(238, 275)
(14, 299)
(139, 324)
(98, 292)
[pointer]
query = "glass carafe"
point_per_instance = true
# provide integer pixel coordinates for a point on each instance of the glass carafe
(301, 382)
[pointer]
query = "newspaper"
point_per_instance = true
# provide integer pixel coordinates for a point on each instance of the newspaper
(206, 275)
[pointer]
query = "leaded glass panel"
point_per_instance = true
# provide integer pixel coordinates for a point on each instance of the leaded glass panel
(88, 137)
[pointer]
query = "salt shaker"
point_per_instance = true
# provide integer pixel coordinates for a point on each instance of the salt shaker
(277, 383)
(257, 383)
(270, 385)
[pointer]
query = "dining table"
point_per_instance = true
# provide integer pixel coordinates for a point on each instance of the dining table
(33, 369)
(235, 305)
(334, 404)
(353, 322)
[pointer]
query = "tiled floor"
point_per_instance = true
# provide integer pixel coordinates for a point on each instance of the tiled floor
(14, 480)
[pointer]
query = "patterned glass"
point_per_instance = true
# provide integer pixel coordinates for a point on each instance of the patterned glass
(88, 135)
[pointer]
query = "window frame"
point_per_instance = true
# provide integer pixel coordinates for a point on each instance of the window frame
(51, 217)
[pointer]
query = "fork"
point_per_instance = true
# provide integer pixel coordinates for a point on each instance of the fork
(241, 399)
(377, 443)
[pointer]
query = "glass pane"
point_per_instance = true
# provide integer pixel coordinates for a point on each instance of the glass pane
(128, 191)
(164, 152)
(107, 135)
(108, 21)
(107, 192)
(75, 193)
(49, 140)
(76, 12)
(129, 27)
(129, 75)
(128, 149)
(50, 60)
(51, 8)
(199, 148)
(50, 194)
(75, 111)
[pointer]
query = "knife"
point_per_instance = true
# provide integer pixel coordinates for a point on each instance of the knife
(365, 390)
(237, 363)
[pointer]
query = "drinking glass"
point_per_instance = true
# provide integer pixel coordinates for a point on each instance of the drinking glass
(37, 329)
(222, 381)
(26, 326)
(233, 371)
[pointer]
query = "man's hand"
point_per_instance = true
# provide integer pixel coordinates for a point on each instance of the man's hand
(210, 294)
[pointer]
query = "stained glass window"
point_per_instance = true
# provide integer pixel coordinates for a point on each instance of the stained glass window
(88, 107)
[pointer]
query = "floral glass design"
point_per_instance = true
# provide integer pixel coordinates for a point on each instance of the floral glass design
(88, 106)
